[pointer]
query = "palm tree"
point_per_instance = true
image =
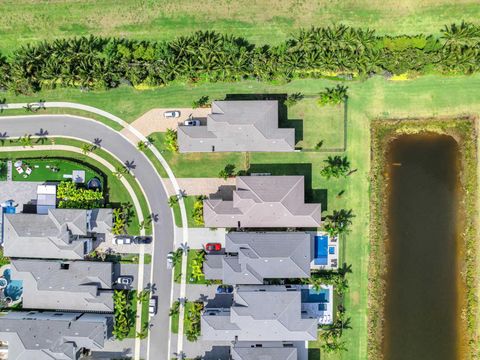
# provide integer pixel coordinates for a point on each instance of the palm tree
(315, 282)
(142, 145)
(3, 102)
(86, 148)
(337, 166)
(338, 222)
(175, 309)
(143, 295)
(172, 200)
(25, 140)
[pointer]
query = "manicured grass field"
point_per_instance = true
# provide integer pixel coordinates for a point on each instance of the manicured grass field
(317, 124)
(263, 21)
(53, 170)
(189, 201)
(370, 99)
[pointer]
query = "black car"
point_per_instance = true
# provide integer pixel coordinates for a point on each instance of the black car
(142, 239)
(224, 289)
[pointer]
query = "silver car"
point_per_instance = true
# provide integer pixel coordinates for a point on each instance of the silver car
(122, 240)
(171, 114)
(191, 123)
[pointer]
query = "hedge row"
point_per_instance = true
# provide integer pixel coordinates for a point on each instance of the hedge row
(340, 51)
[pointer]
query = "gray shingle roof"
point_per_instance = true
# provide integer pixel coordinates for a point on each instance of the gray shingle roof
(72, 285)
(263, 353)
(252, 257)
(60, 234)
(238, 126)
(48, 335)
(267, 313)
(264, 201)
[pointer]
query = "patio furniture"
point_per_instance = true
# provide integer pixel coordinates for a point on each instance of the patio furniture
(18, 163)
(28, 171)
(19, 169)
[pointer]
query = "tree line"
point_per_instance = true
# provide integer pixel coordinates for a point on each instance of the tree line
(339, 51)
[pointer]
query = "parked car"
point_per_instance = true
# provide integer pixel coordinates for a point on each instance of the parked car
(125, 280)
(191, 123)
(122, 240)
(171, 114)
(152, 306)
(212, 247)
(224, 289)
(142, 239)
(170, 260)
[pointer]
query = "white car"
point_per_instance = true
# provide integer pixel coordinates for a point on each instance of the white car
(170, 260)
(125, 280)
(171, 114)
(191, 123)
(152, 306)
(122, 240)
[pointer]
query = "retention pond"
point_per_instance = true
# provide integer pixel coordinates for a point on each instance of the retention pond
(423, 296)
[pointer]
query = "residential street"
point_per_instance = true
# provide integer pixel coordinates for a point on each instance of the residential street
(117, 144)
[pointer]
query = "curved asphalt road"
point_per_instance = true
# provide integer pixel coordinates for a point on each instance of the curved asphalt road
(111, 140)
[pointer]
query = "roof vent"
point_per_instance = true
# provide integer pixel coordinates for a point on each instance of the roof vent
(64, 266)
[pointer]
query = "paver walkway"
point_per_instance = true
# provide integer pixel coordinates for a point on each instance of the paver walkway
(199, 186)
(154, 121)
(9, 170)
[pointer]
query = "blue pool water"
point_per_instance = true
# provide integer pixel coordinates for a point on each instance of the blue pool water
(312, 296)
(14, 288)
(9, 208)
(320, 255)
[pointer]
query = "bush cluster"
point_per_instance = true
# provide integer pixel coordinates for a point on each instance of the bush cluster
(339, 51)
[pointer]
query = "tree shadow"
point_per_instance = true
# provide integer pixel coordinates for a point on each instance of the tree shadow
(313, 353)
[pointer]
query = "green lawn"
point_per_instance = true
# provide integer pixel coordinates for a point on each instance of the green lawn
(3, 170)
(262, 21)
(174, 327)
(52, 170)
(177, 270)
(189, 201)
(194, 164)
(316, 124)
(132, 297)
(370, 99)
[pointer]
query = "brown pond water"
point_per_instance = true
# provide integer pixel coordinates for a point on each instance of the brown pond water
(422, 309)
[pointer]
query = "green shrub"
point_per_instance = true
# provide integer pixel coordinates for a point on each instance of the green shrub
(72, 197)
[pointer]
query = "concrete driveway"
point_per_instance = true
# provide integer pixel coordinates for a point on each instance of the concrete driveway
(154, 121)
(117, 144)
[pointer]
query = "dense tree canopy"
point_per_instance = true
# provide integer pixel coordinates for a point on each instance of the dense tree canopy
(101, 63)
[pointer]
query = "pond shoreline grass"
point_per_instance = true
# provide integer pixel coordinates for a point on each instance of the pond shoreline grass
(463, 130)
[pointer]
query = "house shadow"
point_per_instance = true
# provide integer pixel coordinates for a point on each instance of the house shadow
(303, 169)
(283, 120)
(224, 192)
(217, 352)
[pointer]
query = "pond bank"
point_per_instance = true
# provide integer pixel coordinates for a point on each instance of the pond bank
(463, 130)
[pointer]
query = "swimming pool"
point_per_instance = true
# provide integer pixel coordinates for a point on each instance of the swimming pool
(14, 289)
(320, 255)
(312, 296)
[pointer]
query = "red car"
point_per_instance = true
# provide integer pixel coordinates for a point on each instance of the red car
(213, 247)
